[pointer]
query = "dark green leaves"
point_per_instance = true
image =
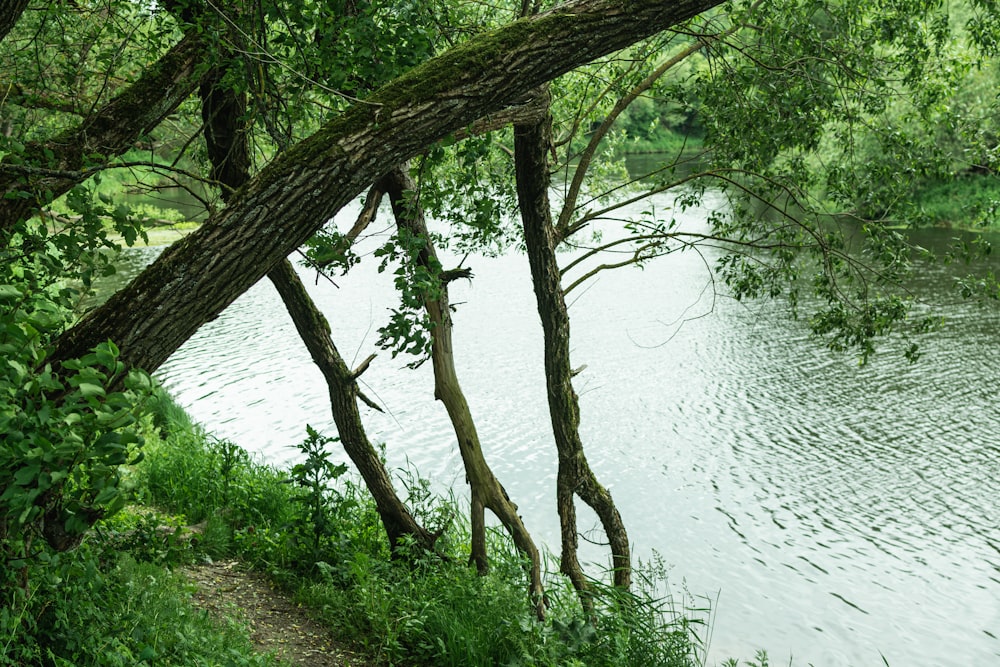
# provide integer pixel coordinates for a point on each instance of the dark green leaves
(65, 434)
(409, 327)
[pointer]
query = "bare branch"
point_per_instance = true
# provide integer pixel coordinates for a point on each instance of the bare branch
(362, 367)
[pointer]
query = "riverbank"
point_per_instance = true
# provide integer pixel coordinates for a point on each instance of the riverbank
(160, 235)
(404, 608)
(969, 201)
(198, 504)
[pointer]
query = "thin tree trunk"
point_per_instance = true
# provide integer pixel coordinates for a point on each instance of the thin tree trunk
(531, 147)
(486, 490)
(9, 14)
(226, 138)
(343, 386)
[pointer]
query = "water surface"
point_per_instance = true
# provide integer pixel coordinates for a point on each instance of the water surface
(835, 513)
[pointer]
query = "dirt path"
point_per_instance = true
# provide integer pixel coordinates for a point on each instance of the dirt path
(276, 623)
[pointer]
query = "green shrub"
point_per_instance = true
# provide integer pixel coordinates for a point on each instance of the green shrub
(97, 607)
(970, 201)
(189, 472)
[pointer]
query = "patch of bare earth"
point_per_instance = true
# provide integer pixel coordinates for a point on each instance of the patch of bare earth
(276, 623)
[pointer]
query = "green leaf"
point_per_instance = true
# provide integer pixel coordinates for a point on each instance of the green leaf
(106, 355)
(10, 293)
(27, 475)
(89, 390)
(20, 370)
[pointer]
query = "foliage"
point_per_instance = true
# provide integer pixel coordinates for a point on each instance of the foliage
(818, 120)
(319, 504)
(409, 326)
(443, 613)
(421, 609)
(67, 429)
(469, 186)
(99, 607)
(968, 201)
(759, 660)
(279, 520)
(229, 484)
(50, 60)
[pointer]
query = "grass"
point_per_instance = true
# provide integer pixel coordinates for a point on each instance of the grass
(115, 601)
(99, 607)
(421, 609)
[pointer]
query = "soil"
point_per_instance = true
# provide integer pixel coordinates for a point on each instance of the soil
(277, 625)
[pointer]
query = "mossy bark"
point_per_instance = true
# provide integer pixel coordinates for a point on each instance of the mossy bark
(574, 477)
(196, 278)
(486, 490)
(52, 167)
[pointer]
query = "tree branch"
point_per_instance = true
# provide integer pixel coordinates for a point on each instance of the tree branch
(109, 131)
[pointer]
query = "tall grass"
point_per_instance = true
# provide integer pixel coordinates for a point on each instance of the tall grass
(97, 607)
(422, 609)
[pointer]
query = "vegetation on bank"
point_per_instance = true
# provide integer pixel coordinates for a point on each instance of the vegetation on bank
(970, 201)
(115, 601)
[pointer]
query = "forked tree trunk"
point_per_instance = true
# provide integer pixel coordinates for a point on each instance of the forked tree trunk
(487, 492)
(226, 138)
(531, 147)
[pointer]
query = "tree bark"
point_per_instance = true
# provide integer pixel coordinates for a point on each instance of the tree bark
(10, 12)
(223, 116)
(196, 278)
(486, 490)
(227, 142)
(50, 168)
(343, 387)
(531, 148)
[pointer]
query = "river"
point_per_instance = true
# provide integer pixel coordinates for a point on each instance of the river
(832, 513)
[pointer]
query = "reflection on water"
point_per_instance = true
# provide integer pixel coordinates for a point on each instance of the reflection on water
(841, 513)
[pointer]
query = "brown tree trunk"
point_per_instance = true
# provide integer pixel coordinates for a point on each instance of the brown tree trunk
(50, 168)
(10, 12)
(343, 386)
(196, 278)
(226, 139)
(531, 148)
(486, 490)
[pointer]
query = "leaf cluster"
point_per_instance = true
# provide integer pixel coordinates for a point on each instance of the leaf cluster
(417, 278)
(66, 432)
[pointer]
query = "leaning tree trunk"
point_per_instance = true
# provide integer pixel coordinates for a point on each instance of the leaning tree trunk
(9, 14)
(486, 490)
(197, 277)
(226, 139)
(51, 167)
(531, 146)
(343, 385)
